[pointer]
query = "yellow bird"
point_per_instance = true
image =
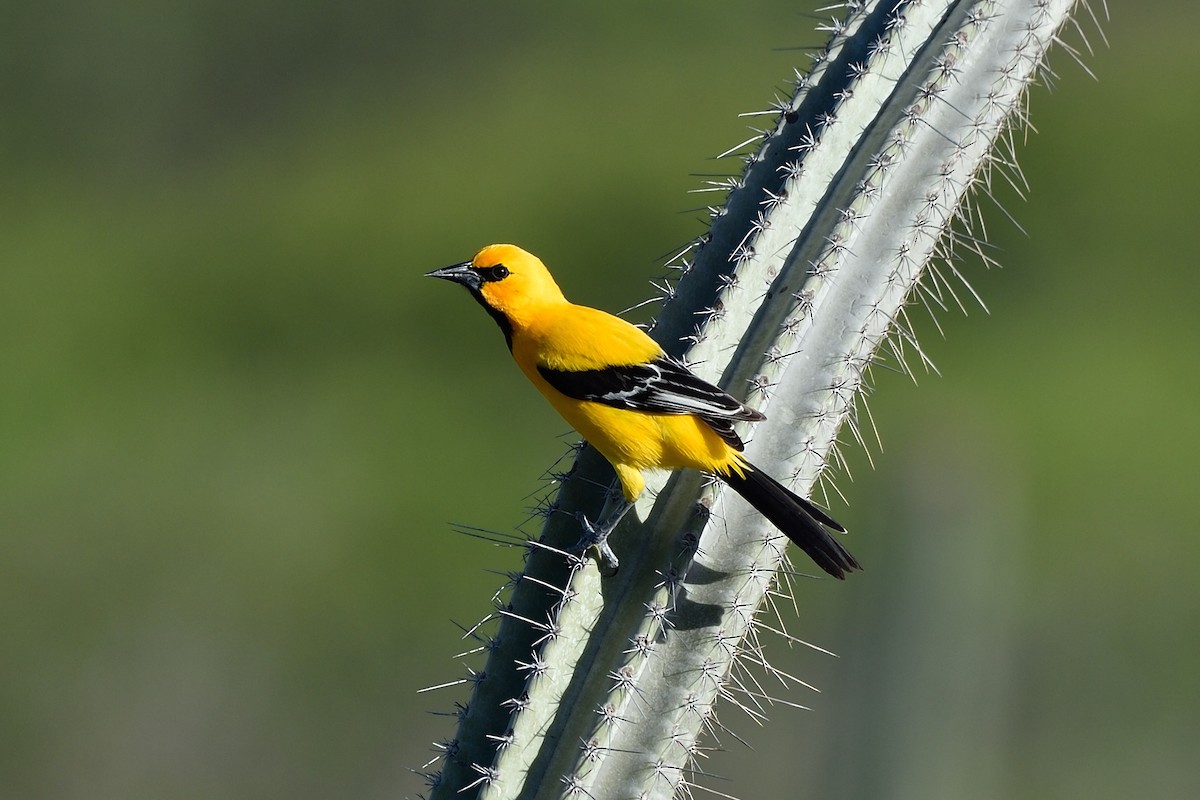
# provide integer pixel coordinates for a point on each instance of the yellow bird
(637, 406)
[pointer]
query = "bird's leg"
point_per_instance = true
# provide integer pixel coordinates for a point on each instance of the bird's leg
(596, 534)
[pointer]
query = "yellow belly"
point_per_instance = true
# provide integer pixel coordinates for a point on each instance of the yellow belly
(633, 441)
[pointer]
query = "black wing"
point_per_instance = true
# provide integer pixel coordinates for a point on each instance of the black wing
(661, 386)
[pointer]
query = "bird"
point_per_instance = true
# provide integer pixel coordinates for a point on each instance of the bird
(637, 406)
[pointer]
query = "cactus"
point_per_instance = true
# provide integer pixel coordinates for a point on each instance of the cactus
(844, 214)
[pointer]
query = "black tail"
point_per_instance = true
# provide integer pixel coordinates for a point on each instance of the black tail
(799, 519)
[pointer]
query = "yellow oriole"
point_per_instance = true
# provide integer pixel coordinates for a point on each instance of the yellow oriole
(637, 406)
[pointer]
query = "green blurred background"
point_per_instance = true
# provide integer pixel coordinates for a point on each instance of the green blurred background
(236, 423)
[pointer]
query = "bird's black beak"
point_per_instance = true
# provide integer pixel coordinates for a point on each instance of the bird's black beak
(463, 273)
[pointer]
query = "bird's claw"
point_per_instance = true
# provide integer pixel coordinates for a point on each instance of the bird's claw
(596, 537)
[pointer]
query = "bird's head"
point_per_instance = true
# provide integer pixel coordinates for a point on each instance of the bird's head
(508, 281)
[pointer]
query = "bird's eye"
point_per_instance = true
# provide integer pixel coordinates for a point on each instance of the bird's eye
(496, 273)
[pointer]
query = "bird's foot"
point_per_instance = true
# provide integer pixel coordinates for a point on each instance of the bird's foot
(597, 536)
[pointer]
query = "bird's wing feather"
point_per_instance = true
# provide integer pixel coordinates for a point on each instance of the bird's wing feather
(660, 386)
(580, 364)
